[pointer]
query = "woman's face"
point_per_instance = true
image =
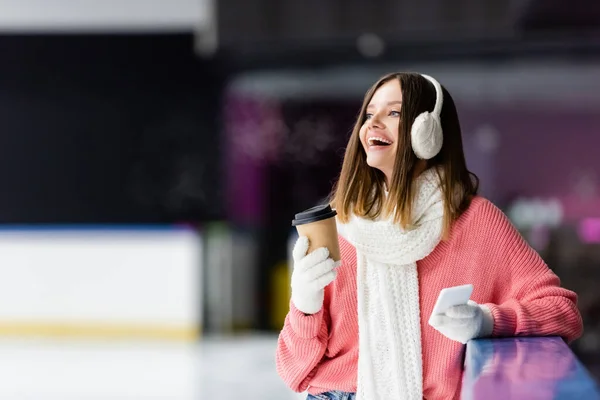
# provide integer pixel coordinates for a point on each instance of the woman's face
(379, 133)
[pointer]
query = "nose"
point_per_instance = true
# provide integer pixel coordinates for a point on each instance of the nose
(375, 121)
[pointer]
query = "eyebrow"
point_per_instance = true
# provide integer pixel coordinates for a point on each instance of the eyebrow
(389, 103)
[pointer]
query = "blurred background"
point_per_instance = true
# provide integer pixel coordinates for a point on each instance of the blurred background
(153, 154)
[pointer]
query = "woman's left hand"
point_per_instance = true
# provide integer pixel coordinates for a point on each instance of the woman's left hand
(464, 322)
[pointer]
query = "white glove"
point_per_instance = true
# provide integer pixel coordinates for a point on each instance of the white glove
(464, 322)
(311, 274)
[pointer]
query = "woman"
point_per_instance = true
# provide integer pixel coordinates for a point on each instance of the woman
(411, 224)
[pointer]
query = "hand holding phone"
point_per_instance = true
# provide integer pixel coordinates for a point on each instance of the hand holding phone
(452, 296)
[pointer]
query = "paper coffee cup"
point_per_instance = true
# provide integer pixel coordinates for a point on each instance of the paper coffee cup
(318, 224)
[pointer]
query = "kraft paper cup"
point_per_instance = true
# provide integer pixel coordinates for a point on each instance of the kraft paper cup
(318, 224)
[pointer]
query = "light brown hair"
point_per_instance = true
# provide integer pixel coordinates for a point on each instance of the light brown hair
(360, 188)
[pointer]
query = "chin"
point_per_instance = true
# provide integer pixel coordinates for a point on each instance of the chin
(382, 167)
(375, 163)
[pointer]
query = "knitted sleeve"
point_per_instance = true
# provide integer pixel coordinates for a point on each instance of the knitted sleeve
(301, 346)
(528, 299)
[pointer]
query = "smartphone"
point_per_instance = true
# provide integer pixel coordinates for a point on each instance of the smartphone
(452, 296)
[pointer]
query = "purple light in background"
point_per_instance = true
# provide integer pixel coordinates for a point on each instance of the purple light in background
(589, 230)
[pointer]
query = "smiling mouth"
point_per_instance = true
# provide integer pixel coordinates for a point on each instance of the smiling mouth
(377, 141)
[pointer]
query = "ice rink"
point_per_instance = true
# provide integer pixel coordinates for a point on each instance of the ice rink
(215, 368)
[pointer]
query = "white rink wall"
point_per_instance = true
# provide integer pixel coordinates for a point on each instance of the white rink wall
(101, 282)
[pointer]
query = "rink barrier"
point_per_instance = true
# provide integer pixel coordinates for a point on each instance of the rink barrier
(525, 368)
(101, 281)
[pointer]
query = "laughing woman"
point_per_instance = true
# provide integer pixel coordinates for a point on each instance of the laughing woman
(411, 223)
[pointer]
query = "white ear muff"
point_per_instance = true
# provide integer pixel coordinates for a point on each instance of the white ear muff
(426, 132)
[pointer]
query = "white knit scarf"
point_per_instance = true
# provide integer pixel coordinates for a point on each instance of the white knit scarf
(390, 360)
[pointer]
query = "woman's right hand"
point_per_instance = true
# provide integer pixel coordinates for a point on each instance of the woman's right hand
(312, 272)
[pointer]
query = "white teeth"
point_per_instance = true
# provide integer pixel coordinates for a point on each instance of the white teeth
(379, 139)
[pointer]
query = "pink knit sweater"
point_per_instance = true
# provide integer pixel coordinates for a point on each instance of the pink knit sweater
(320, 352)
